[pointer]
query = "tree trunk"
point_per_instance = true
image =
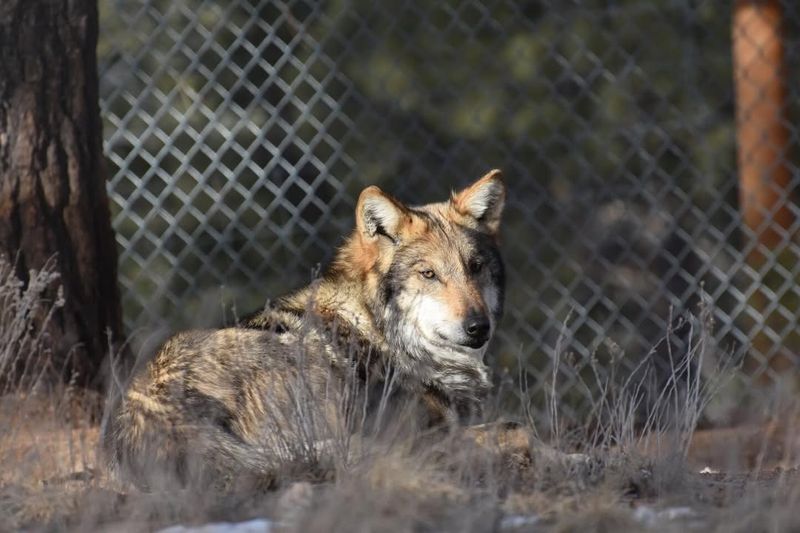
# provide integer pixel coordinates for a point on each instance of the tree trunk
(53, 199)
(761, 132)
(765, 188)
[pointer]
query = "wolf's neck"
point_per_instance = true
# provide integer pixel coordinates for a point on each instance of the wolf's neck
(342, 303)
(335, 300)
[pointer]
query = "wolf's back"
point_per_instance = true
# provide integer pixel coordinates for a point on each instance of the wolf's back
(201, 406)
(144, 435)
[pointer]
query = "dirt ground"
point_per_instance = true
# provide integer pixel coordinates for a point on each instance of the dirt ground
(733, 479)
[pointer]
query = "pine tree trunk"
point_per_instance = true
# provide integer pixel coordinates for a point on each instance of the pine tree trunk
(762, 134)
(765, 180)
(53, 199)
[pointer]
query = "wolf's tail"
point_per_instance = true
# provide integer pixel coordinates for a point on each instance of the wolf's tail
(146, 441)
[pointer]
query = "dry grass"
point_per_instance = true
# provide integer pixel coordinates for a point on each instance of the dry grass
(636, 468)
(24, 316)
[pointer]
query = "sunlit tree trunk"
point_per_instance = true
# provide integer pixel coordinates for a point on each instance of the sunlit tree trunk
(762, 133)
(764, 176)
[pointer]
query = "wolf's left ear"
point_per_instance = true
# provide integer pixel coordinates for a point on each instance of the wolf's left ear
(379, 215)
(483, 201)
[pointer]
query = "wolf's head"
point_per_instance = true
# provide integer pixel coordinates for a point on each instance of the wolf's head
(433, 273)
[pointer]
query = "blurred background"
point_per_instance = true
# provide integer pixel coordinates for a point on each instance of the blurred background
(649, 147)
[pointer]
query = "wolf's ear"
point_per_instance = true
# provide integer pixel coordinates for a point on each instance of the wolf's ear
(483, 200)
(378, 214)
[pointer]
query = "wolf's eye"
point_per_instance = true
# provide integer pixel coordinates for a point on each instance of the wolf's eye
(427, 273)
(475, 266)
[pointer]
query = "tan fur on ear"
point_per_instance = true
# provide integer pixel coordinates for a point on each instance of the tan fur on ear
(378, 214)
(483, 201)
(381, 222)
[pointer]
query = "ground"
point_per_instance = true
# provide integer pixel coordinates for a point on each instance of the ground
(731, 479)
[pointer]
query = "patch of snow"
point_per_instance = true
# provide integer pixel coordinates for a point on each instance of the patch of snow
(651, 517)
(259, 525)
(518, 520)
(709, 470)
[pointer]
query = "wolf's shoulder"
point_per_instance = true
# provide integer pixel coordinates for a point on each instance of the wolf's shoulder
(275, 319)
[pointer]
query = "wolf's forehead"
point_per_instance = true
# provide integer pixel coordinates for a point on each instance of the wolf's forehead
(437, 217)
(444, 236)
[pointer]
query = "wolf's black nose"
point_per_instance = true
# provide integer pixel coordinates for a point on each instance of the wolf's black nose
(477, 328)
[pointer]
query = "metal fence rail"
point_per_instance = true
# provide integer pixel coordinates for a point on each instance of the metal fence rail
(240, 132)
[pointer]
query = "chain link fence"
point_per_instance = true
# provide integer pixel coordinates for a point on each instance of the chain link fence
(239, 133)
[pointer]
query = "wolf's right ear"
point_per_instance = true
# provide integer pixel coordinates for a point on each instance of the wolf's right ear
(378, 214)
(483, 201)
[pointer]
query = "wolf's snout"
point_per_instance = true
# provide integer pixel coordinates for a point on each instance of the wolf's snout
(477, 327)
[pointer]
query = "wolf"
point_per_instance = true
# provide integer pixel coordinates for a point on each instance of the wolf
(396, 329)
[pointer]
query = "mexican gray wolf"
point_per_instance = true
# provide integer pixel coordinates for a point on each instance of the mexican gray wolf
(395, 329)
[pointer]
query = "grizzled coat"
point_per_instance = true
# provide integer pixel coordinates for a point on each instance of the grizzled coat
(395, 330)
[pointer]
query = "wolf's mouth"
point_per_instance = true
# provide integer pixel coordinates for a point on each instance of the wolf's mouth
(445, 342)
(475, 345)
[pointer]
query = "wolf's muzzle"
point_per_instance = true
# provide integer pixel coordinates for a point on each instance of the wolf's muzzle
(477, 327)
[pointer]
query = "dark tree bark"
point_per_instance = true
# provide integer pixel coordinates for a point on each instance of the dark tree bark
(52, 181)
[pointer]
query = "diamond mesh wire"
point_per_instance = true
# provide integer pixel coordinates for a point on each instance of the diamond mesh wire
(239, 133)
